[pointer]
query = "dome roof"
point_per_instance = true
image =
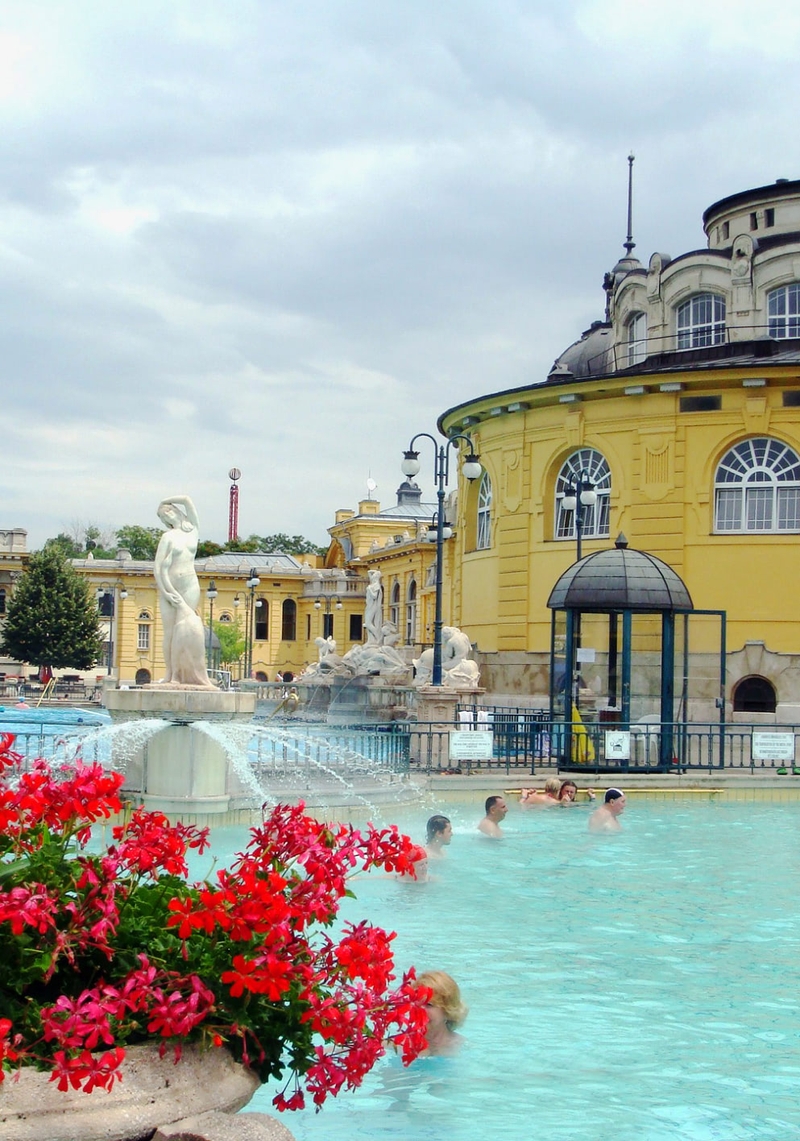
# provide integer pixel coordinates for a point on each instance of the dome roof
(620, 579)
(590, 356)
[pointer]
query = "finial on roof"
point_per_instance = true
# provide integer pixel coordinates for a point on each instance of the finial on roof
(620, 542)
(629, 243)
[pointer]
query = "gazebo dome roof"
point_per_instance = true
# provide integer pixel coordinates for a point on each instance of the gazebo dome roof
(620, 579)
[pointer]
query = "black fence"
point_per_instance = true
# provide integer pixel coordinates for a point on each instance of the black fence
(522, 741)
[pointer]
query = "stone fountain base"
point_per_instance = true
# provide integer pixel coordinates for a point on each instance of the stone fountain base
(154, 1092)
(184, 771)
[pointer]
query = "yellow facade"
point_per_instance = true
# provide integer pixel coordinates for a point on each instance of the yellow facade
(662, 408)
(281, 615)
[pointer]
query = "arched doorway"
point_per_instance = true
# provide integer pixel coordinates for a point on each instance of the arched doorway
(754, 695)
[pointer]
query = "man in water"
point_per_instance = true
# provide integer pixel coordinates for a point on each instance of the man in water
(604, 818)
(496, 809)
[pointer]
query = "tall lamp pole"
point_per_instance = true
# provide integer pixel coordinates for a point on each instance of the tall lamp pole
(236, 604)
(331, 598)
(471, 467)
(211, 594)
(580, 493)
(252, 583)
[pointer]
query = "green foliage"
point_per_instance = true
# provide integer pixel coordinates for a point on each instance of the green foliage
(140, 541)
(288, 544)
(206, 549)
(66, 544)
(231, 642)
(52, 616)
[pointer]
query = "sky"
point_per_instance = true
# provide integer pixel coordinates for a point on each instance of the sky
(287, 236)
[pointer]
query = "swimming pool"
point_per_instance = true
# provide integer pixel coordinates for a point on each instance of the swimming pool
(637, 987)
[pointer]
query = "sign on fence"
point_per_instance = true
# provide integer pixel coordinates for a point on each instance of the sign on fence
(618, 745)
(471, 745)
(773, 746)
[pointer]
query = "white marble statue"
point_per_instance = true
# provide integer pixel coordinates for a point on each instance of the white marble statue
(179, 596)
(458, 669)
(381, 658)
(373, 618)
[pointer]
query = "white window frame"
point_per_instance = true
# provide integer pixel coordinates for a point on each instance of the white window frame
(700, 321)
(143, 638)
(783, 311)
(411, 613)
(394, 605)
(757, 488)
(483, 516)
(596, 519)
(636, 338)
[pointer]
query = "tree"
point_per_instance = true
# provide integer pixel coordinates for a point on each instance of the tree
(66, 544)
(231, 642)
(288, 544)
(52, 616)
(206, 549)
(140, 541)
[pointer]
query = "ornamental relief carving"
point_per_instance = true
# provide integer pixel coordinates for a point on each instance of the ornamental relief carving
(755, 414)
(574, 428)
(512, 480)
(657, 465)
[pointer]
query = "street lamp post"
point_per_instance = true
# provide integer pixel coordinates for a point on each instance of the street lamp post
(211, 594)
(236, 604)
(471, 468)
(116, 593)
(252, 583)
(329, 599)
(580, 493)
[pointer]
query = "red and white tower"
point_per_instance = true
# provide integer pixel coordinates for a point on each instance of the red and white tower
(234, 475)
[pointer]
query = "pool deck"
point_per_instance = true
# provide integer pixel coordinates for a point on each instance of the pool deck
(736, 784)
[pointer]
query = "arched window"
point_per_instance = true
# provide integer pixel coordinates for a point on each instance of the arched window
(411, 613)
(143, 677)
(783, 310)
(145, 623)
(484, 516)
(636, 330)
(588, 465)
(757, 487)
(262, 620)
(701, 321)
(754, 695)
(394, 605)
(225, 617)
(289, 620)
(2, 600)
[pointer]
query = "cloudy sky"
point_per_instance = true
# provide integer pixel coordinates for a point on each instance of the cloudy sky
(286, 236)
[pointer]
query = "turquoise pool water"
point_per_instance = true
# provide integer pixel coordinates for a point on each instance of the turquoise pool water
(638, 987)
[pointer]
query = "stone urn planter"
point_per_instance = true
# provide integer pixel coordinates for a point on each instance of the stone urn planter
(153, 1092)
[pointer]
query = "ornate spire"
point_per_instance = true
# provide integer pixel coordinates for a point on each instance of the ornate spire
(629, 243)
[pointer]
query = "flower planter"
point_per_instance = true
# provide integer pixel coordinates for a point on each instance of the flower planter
(154, 1091)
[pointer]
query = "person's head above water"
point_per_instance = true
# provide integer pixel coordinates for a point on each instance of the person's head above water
(439, 829)
(613, 794)
(446, 996)
(495, 807)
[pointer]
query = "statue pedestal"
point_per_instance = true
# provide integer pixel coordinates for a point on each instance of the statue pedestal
(184, 771)
(437, 706)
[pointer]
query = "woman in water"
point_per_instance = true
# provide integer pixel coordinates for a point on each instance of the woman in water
(439, 833)
(568, 793)
(445, 1011)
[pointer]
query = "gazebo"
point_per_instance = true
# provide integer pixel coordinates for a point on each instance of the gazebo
(620, 626)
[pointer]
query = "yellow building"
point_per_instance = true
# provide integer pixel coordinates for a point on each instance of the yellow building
(280, 603)
(682, 411)
(397, 542)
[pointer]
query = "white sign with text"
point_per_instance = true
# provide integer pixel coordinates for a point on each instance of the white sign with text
(471, 745)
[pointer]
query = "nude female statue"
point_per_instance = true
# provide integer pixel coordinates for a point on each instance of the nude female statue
(179, 594)
(373, 618)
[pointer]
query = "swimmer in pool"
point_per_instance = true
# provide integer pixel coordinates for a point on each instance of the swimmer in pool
(496, 809)
(446, 1012)
(439, 833)
(604, 818)
(531, 798)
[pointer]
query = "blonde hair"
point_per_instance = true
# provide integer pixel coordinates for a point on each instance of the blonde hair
(446, 996)
(553, 786)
